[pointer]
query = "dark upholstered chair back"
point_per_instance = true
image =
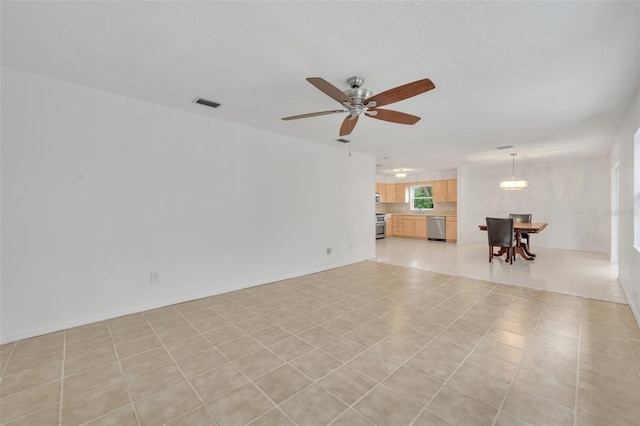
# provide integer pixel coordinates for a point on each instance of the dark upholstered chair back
(500, 231)
(521, 218)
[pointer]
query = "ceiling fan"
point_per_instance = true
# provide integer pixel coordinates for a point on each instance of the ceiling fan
(358, 101)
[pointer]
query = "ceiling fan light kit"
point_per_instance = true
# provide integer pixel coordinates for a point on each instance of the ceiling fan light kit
(358, 101)
(513, 184)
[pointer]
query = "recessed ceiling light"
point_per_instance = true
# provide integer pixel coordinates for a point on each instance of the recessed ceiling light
(504, 147)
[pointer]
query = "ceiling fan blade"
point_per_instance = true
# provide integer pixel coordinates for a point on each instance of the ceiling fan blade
(347, 125)
(330, 90)
(394, 116)
(313, 114)
(401, 92)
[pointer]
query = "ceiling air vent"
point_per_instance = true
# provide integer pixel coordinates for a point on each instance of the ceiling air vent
(504, 147)
(343, 140)
(205, 102)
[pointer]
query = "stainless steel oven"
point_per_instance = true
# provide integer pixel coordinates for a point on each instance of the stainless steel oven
(381, 225)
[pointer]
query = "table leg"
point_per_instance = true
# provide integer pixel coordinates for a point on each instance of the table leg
(526, 250)
(502, 251)
(521, 248)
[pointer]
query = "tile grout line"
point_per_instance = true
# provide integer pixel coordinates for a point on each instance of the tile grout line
(575, 401)
(6, 365)
(350, 406)
(446, 381)
(124, 378)
(515, 375)
(633, 355)
(380, 383)
(64, 358)
(315, 382)
(228, 360)
(175, 363)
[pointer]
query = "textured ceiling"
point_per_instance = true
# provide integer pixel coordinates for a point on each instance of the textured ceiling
(551, 78)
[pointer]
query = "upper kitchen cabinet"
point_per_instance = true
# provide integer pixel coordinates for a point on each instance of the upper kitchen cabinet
(445, 190)
(391, 193)
(401, 192)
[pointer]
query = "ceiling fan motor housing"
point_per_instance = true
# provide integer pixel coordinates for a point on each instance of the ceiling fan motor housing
(357, 92)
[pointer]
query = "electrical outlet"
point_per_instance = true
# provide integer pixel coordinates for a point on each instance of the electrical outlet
(154, 278)
(328, 250)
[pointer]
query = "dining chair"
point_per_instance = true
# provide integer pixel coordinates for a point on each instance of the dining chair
(522, 218)
(500, 234)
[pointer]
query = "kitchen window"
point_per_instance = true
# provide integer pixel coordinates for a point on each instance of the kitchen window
(421, 197)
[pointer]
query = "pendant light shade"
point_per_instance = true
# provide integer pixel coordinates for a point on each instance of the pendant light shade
(513, 184)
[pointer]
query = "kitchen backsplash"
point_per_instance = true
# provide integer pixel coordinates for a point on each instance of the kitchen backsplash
(403, 208)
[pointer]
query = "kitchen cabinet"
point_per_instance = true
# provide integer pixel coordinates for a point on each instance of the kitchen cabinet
(451, 233)
(409, 227)
(421, 228)
(398, 225)
(400, 189)
(414, 226)
(390, 192)
(389, 227)
(452, 190)
(445, 190)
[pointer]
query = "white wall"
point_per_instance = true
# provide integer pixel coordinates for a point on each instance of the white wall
(100, 190)
(628, 257)
(572, 196)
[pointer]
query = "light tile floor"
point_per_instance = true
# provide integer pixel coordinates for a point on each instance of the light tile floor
(369, 343)
(577, 273)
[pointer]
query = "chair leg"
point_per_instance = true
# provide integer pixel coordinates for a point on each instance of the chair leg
(490, 253)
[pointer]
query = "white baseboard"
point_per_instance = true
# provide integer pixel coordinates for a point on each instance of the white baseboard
(141, 308)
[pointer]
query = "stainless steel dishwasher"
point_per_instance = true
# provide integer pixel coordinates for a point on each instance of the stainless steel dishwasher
(436, 228)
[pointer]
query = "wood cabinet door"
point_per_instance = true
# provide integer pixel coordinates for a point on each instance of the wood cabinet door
(440, 190)
(451, 233)
(420, 229)
(391, 193)
(382, 190)
(409, 228)
(452, 190)
(401, 193)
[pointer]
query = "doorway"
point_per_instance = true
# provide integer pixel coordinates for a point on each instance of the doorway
(615, 212)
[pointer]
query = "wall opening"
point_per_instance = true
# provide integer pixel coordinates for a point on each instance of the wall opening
(615, 209)
(636, 190)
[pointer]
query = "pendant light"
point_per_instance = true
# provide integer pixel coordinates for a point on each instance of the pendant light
(513, 184)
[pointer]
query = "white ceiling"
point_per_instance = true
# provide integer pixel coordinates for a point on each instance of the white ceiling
(551, 78)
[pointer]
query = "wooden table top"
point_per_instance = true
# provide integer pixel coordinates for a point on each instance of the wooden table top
(529, 228)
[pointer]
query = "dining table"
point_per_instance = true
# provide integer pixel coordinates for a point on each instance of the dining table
(520, 228)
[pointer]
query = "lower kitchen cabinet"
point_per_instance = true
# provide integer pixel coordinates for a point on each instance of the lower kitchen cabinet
(398, 225)
(421, 228)
(413, 226)
(451, 233)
